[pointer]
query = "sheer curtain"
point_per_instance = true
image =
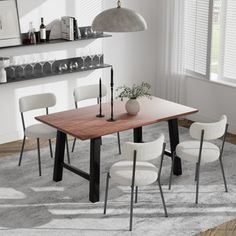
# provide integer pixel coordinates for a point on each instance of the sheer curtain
(170, 54)
(228, 41)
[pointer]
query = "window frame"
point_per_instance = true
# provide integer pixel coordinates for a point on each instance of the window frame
(209, 75)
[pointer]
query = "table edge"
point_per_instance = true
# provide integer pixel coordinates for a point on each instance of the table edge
(120, 130)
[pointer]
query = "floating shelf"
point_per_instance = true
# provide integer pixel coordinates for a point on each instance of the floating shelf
(54, 71)
(57, 41)
(55, 74)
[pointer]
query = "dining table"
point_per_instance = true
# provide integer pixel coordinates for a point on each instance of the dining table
(83, 124)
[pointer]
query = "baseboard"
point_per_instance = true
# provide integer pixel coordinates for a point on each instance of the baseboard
(10, 137)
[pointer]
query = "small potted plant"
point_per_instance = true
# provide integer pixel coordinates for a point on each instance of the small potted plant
(136, 91)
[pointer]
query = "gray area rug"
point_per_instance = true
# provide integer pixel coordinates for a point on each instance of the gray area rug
(33, 205)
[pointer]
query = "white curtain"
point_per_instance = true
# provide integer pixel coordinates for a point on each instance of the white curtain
(228, 41)
(170, 54)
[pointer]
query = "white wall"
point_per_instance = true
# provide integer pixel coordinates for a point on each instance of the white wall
(212, 99)
(62, 86)
(132, 56)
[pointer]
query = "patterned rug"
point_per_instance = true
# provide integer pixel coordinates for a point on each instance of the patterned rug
(33, 205)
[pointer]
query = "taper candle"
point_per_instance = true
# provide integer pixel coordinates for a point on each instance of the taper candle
(112, 102)
(100, 88)
(112, 75)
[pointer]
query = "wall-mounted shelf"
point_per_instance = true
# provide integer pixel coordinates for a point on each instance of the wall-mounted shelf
(56, 41)
(34, 70)
(55, 74)
(47, 71)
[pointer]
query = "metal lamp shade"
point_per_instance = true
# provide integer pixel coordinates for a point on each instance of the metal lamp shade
(119, 20)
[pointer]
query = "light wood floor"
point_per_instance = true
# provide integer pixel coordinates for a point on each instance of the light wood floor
(12, 148)
(226, 229)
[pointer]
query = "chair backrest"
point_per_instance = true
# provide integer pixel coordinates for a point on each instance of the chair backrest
(145, 151)
(37, 101)
(88, 92)
(211, 130)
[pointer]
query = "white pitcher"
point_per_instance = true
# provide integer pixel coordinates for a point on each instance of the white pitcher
(4, 62)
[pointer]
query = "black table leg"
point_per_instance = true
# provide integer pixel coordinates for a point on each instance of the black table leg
(138, 135)
(59, 156)
(94, 169)
(174, 141)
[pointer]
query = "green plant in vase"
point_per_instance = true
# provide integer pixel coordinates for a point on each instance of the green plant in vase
(132, 106)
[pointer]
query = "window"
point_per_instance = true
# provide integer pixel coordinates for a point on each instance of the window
(196, 36)
(210, 38)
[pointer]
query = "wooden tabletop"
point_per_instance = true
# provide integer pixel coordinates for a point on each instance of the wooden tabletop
(83, 124)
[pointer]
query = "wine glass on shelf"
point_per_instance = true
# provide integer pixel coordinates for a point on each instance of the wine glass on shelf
(13, 63)
(94, 33)
(83, 56)
(23, 65)
(62, 67)
(42, 63)
(86, 32)
(33, 63)
(73, 66)
(51, 61)
(99, 55)
(91, 57)
(91, 32)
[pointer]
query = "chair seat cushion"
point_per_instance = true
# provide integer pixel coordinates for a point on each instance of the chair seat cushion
(189, 151)
(146, 173)
(40, 131)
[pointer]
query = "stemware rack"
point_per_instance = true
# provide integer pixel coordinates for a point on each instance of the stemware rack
(16, 74)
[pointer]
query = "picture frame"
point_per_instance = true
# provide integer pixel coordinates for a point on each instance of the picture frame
(10, 34)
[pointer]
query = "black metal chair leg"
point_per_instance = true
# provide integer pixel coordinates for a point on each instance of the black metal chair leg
(136, 194)
(50, 146)
(22, 150)
(131, 208)
(67, 150)
(39, 160)
(197, 185)
(162, 198)
(171, 171)
(73, 146)
(118, 139)
(223, 173)
(106, 194)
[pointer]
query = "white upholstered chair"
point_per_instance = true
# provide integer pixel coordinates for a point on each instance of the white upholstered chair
(89, 92)
(38, 131)
(200, 150)
(136, 170)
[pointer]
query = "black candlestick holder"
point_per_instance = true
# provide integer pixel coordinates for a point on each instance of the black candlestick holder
(100, 115)
(112, 107)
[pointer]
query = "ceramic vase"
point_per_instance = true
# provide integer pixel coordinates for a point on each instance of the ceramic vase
(132, 107)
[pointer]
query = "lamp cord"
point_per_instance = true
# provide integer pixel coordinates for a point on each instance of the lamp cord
(118, 4)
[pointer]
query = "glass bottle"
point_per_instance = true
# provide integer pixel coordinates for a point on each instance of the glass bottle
(42, 31)
(31, 36)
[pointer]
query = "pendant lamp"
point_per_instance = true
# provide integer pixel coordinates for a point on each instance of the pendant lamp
(119, 19)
